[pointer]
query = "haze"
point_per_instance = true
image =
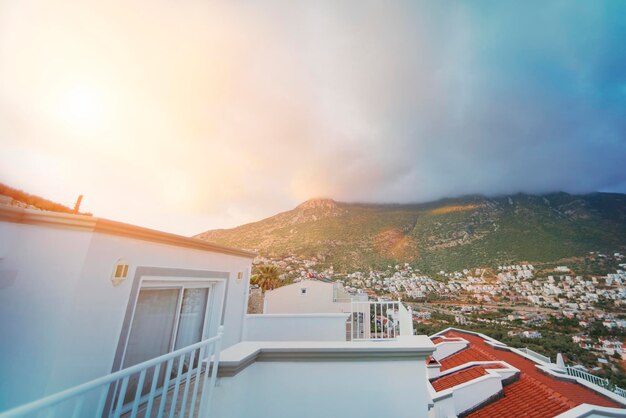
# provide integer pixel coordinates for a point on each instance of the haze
(190, 115)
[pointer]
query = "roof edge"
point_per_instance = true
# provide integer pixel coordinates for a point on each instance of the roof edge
(106, 226)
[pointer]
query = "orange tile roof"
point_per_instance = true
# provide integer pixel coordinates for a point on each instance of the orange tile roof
(535, 394)
(466, 355)
(526, 398)
(457, 378)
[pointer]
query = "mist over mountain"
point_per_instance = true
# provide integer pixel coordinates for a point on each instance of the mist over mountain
(448, 234)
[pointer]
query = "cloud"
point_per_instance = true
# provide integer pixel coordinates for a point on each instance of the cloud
(193, 115)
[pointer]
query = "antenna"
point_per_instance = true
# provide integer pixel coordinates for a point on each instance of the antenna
(77, 205)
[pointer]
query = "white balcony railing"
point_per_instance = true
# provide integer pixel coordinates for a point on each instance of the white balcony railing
(381, 320)
(178, 384)
(596, 380)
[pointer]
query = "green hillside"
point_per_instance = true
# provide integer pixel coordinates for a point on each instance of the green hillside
(450, 234)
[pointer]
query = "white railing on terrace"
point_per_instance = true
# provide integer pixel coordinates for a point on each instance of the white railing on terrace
(374, 320)
(177, 384)
(535, 354)
(381, 320)
(596, 380)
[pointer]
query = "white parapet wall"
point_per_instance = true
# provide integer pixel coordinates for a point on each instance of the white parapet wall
(330, 379)
(434, 370)
(296, 327)
(593, 411)
(447, 348)
(473, 393)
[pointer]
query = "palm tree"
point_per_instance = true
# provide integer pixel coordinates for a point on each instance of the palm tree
(266, 277)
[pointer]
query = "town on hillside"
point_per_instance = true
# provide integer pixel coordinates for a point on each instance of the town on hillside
(578, 308)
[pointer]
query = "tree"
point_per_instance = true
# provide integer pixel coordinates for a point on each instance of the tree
(266, 277)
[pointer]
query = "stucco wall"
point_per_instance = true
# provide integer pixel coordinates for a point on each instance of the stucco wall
(447, 348)
(318, 299)
(61, 315)
(296, 327)
(335, 389)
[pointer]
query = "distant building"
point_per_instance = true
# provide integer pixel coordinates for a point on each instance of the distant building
(309, 296)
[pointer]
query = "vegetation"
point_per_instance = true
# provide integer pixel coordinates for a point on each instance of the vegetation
(449, 235)
(34, 200)
(266, 277)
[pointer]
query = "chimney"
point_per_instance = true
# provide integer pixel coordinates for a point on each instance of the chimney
(77, 205)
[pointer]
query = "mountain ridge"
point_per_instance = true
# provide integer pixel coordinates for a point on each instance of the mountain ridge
(446, 234)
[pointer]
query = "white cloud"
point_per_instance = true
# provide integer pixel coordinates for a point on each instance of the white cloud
(193, 115)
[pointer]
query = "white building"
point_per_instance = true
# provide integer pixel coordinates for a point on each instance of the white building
(81, 297)
(308, 296)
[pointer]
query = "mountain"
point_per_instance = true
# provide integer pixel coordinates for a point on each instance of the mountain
(448, 234)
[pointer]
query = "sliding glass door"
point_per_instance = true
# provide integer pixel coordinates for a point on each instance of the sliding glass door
(166, 318)
(192, 316)
(152, 326)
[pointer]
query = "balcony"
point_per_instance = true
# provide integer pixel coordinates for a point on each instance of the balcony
(270, 379)
(178, 384)
(306, 365)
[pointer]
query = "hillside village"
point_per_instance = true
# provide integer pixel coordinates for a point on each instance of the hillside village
(521, 299)
(571, 293)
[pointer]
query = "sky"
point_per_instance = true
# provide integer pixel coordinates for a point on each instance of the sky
(191, 115)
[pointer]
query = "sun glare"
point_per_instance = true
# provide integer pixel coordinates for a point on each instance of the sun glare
(82, 107)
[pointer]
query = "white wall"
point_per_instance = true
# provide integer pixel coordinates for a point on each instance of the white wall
(447, 348)
(433, 371)
(296, 327)
(39, 269)
(318, 299)
(471, 394)
(593, 411)
(61, 315)
(338, 389)
(464, 397)
(443, 406)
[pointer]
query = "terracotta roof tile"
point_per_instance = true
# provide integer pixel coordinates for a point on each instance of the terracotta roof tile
(466, 355)
(535, 394)
(525, 398)
(456, 378)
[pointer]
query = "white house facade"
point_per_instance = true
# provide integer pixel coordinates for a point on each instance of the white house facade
(66, 318)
